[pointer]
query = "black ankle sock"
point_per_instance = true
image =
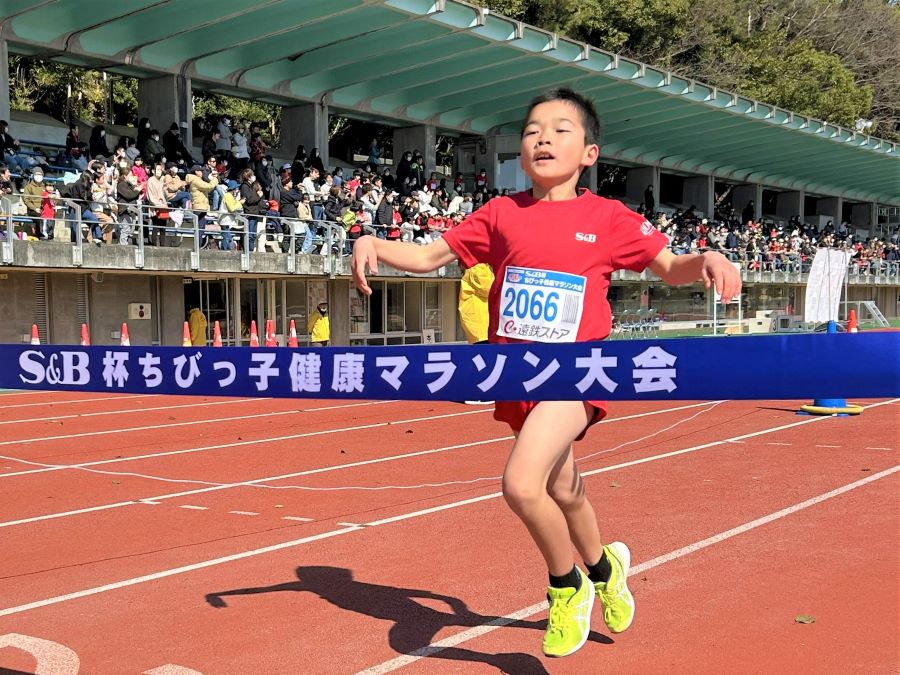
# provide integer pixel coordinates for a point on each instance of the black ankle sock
(570, 580)
(601, 571)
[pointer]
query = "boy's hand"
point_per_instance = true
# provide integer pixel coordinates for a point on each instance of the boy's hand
(364, 254)
(719, 271)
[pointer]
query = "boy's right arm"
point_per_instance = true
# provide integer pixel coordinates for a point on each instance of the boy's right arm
(406, 256)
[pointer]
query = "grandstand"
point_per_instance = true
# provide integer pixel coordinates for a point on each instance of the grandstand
(709, 161)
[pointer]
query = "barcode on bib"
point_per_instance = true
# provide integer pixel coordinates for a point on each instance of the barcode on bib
(570, 309)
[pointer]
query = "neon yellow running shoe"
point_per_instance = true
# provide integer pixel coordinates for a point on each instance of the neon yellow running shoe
(570, 618)
(618, 603)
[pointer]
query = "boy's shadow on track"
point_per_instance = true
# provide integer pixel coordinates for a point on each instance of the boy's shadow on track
(415, 625)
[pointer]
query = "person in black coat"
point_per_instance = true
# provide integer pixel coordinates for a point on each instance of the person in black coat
(174, 147)
(97, 144)
(255, 204)
(289, 198)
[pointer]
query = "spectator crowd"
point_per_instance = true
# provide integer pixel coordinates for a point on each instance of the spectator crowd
(236, 191)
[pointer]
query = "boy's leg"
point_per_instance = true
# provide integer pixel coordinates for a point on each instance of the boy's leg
(566, 488)
(541, 446)
(539, 453)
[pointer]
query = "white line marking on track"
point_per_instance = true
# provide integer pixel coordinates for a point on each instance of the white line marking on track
(774, 443)
(335, 533)
(888, 449)
(147, 501)
(130, 411)
(477, 631)
(307, 472)
(107, 432)
(297, 518)
(247, 513)
(828, 446)
(77, 400)
(349, 524)
(276, 439)
(192, 507)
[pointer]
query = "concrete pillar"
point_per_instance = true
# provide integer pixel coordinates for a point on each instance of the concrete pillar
(4, 81)
(790, 204)
(742, 194)
(339, 310)
(700, 191)
(305, 124)
(864, 216)
(493, 150)
(422, 138)
(831, 207)
(165, 100)
(637, 180)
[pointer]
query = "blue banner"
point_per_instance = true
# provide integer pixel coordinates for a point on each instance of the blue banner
(764, 367)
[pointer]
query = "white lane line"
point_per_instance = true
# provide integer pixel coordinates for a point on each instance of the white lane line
(77, 400)
(297, 518)
(192, 507)
(828, 446)
(888, 449)
(307, 472)
(346, 530)
(58, 467)
(258, 441)
(488, 627)
(349, 524)
(107, 432)
(773, 443)
(130, 411)
(247, 513)
(147, 501)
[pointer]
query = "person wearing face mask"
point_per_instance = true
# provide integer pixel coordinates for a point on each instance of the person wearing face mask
(177, 193)
(156, 199)
(255, 205)
(239, 149)
(128, 196)
(153, 149)
(223, 142)
(97, 144)
(319, 327)
(32, 198)
(174, 146)
(143, 133)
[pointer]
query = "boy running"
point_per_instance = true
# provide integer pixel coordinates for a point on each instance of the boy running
(555, 227)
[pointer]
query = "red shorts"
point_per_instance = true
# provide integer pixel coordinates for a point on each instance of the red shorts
(515, 412)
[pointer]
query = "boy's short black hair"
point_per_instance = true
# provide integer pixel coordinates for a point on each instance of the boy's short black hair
(589, 118)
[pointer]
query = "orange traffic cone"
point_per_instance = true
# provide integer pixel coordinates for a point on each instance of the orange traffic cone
(852, 325)
(270, 333)
(35, 339)
(254, 336)
(186, 335)
(85, 336)
(125, 341)
(292, 337)
(217, 335)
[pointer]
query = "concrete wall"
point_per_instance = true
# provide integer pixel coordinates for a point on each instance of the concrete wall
(700, 192)
(170, 310)
(109, 308)
(790, 204)
(165, 100)
(16, 305)
(339, 309)
(305, 124)
(422, 138)
(637, 180)
(65, 328)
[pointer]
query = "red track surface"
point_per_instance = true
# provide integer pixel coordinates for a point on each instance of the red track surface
(149, 555)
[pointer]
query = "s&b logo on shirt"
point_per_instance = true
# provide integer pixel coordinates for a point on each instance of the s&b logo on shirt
(589, 237)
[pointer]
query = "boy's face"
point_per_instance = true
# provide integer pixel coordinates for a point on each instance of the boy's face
(553, 148)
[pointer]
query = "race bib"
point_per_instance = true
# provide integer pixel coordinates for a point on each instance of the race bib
(541, 305)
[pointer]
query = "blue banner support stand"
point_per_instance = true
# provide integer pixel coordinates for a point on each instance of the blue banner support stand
(838, 407)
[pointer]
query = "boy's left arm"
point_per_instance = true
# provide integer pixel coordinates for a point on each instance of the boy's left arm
(711, 267)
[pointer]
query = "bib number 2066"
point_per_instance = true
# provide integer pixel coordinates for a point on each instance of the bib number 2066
(534, 304)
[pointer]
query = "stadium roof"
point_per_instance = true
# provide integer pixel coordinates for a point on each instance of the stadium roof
(458, 67)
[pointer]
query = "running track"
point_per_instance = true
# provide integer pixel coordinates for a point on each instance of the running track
(170, 535)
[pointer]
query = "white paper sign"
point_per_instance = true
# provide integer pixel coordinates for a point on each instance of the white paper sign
(823, 287)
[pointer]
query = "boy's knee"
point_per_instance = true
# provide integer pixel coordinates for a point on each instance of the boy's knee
(520, 493)
(568, 497)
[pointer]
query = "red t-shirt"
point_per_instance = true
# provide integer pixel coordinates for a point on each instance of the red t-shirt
(588, 237)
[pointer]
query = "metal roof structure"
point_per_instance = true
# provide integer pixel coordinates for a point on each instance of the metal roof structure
(458, 67)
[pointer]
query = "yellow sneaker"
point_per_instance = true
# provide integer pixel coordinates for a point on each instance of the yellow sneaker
(618, 603)
(570, 618)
